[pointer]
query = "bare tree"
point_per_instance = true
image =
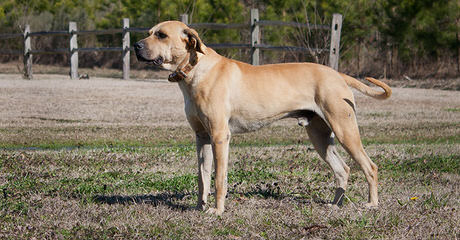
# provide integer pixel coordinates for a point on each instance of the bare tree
(315, 40)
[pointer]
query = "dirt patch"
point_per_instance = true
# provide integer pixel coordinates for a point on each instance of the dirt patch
(50, 100)
(430, 83)
(54, 99)
(150, 73)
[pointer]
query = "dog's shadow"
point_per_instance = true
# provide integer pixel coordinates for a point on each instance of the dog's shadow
(173, 200)
(273, 191)
(165, 199)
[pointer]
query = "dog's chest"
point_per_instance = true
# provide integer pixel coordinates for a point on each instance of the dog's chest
(189, 106)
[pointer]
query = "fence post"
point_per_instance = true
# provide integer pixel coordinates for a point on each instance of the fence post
(336, 28)
(184, 18)
(27, 53)
(255, 36)
(73, 48)
(126, 52)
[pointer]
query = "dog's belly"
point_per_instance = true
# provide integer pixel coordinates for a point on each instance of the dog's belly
(241, 125)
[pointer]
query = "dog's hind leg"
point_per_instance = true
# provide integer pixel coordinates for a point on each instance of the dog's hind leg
(323, 140)
(341, 118)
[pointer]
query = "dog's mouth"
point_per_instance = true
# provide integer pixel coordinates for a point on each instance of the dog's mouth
(156, 61)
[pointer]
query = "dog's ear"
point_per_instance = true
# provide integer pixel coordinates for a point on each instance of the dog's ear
(193, 41)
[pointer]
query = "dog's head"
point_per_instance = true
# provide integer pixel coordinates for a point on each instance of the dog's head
(168, 44)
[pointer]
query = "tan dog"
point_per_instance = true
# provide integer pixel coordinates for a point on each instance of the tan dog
(223, 96)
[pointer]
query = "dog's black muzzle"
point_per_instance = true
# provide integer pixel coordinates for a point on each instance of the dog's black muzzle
(140, 50)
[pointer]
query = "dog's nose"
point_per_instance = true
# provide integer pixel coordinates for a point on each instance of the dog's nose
(139, 45)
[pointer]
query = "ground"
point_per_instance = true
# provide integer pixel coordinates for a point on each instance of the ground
(108, 158)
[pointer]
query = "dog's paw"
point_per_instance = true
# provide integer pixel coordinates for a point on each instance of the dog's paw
(371, 205)
(201, 206)
(215, 211)
(333, 206)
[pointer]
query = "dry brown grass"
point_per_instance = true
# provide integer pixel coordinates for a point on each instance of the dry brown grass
(115, 159)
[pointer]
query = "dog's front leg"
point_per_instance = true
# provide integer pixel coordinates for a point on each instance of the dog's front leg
(220, 143)
(204, 152)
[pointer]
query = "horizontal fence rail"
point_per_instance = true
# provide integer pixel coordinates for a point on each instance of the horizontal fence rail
(101, 49)
(45, 33)
(290, 48)
(10, 52)
(10, 35)
(229, 45)
(99, 32)
(219, 26)
(291, 24)
(49, 51)
(138, 30)
(255, 45)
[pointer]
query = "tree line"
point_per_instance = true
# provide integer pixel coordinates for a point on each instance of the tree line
(382, 38)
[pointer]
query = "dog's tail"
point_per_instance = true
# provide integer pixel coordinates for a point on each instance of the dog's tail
(354, 83)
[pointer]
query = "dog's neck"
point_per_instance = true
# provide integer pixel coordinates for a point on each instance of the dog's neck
(183, 69)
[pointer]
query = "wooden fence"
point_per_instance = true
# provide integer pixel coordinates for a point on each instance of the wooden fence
(255, 45)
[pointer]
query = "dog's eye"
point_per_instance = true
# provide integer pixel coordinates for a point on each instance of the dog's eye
(161, 35)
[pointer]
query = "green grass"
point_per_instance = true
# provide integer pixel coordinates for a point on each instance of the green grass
(425, 164)
(133, 138)
(128, 188)
(102, 183)
(432, 201)
(134, 146)
(452, 109)
(226, 231)
(248, 176)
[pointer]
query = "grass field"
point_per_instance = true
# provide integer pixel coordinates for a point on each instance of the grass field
(106, 158)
